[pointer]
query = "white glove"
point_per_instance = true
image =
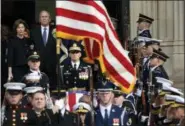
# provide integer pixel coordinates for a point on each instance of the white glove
(60, 103)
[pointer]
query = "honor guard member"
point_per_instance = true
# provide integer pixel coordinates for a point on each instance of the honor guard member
(64, 117)
(169, 100)
(156, 63)
(46, 117)
(149, 48)
(172, 115)
(75, 71)
(176, 111)
(106, 114)
(81, 109)
(144, 23)
(35, 77)
(16, 114)
(119, 97)
(129, 111)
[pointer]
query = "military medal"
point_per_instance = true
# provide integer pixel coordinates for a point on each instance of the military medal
(115, 121)
(22, 116)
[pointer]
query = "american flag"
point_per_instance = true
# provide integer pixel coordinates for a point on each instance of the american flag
(88, 20)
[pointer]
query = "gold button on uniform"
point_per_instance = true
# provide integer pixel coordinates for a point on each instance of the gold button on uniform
(13, 115)
(13, 120)
(13, 124)
(14, 111)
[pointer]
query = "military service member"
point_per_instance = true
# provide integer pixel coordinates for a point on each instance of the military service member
(127, 105)
(106, 114)
(15, 114)
(75, 72)
(35, 77)
(156, 63)
(144, 23)
(81, 109)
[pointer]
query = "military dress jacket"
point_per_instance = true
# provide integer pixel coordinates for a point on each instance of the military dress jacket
(47, 118)
(145, 33)
(19, 116)
(114, 118)
(44, 81)
(75, 78)
(145, 73)
(158, 71)
(68, 119)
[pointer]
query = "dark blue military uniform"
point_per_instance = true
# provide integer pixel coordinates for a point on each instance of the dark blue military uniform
(108, 115)
(129, 113)
(158, 71)
(145, 33)
(114, 118)
(144, 18)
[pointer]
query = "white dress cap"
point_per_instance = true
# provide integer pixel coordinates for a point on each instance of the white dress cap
(32, 89)
(85, 105)
(164, 81)
(179, 99)
(14, 86)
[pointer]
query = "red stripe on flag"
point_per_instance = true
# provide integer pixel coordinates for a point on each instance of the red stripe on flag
(71, 100)
(101, 10)
(78, 32)
(79, 16)
(119, 56)
(115, 74)
(88, 48)
(96, 49)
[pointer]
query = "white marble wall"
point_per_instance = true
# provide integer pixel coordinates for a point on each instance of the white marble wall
(168, 25)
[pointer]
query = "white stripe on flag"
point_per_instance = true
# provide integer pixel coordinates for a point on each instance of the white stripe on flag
(116, 64)
(81, 25)
(86, 9)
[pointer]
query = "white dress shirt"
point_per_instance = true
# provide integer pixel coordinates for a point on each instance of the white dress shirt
(102, 110)
(47, 31)
(77, 64)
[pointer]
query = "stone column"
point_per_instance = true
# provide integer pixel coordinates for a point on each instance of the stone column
(178, 44)
(168, 25)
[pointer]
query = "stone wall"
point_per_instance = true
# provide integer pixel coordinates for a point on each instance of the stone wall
(168, 26)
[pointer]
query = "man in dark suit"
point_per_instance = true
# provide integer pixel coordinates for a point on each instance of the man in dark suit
(106, 114)
(45, 44)
(144, 23)
(75, 71)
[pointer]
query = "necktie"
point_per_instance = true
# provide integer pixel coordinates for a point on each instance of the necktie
(106, 118)
(75, 66)
(44, 35)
